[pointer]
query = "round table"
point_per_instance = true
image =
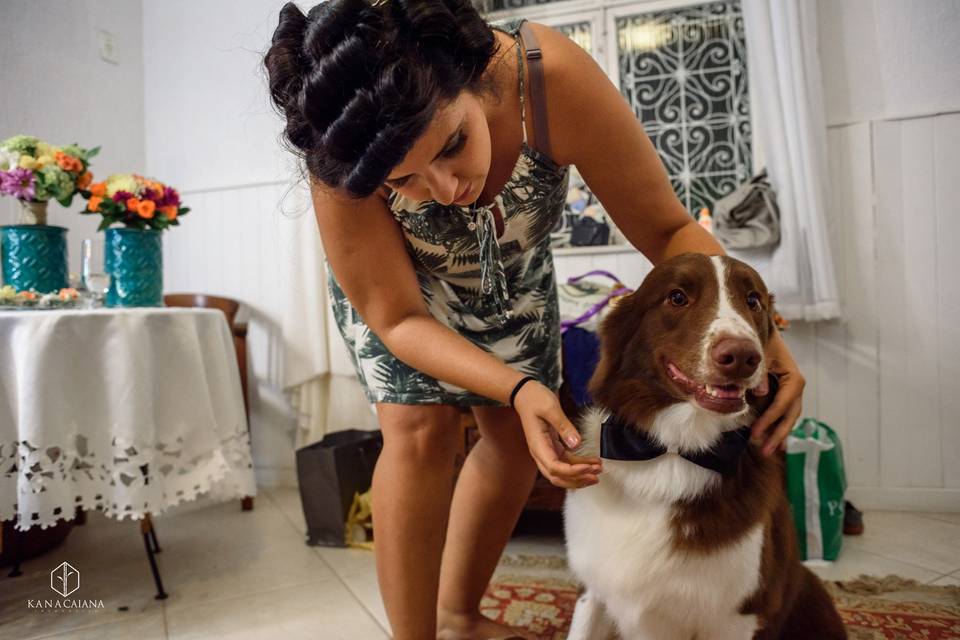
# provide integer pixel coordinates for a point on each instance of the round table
(130, 411)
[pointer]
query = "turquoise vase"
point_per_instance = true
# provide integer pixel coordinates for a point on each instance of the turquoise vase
(134, 261)
(34, 257)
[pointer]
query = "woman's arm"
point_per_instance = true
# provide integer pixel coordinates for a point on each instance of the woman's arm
(365, 249)
(593, 127)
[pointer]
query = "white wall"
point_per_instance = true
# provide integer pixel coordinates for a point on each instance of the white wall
(56, 87)
(887, 377)
(888, 58)
(208, 122)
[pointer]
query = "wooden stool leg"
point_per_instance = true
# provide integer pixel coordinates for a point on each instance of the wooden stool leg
(153, 535)
(16, 550)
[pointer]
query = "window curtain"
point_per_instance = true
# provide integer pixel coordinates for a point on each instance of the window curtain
(319, 378)
(784, 68)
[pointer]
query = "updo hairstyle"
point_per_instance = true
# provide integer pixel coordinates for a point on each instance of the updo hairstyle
(359, 82)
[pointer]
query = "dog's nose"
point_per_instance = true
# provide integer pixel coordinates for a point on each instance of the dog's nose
(735, 357)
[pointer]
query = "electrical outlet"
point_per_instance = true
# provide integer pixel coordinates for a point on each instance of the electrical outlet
(108, 46)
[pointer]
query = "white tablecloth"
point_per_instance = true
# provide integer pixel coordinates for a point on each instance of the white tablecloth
(88, 397)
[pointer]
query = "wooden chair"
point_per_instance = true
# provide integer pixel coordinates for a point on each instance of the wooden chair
(230, 308)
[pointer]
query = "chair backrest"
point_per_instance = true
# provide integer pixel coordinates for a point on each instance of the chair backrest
(227, 305)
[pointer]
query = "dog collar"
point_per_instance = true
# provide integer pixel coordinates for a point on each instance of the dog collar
(620, 441)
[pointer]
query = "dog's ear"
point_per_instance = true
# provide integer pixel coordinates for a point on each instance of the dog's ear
(614, 333)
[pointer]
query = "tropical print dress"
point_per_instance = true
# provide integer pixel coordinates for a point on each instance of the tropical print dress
(497, 292)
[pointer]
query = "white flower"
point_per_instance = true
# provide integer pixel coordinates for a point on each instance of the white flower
(8, 159)
(122, 182)
(47, 300)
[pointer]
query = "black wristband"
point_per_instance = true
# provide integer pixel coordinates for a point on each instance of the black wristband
(516, 389)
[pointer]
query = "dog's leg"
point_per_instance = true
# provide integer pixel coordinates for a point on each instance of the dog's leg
(590, 620)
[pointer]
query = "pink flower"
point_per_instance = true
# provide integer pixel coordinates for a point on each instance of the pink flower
(18, 183)
(170, 197)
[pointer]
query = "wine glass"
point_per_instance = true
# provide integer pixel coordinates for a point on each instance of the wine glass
(93, 274)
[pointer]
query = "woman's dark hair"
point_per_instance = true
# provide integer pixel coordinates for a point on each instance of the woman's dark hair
(359, 83)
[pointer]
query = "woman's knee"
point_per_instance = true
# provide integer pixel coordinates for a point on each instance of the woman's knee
(503, 431)
(420, 433)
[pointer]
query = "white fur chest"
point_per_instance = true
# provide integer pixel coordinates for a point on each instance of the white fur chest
(620, 545)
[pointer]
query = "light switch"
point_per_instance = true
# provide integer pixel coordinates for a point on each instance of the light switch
(108, 46)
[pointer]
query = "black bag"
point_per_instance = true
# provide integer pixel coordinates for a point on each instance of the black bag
(329, 473)
(587, 232)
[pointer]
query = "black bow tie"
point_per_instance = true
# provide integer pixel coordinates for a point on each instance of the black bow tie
(620, 441)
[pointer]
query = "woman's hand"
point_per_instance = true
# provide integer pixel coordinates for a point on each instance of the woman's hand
(788, 402)
(544, 424)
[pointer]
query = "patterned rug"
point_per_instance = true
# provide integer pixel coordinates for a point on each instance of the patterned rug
(538, 594)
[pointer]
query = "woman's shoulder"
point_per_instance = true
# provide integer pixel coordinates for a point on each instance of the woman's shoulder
(567, 70)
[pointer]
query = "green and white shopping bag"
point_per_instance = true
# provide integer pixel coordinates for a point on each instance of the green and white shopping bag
(815, 485)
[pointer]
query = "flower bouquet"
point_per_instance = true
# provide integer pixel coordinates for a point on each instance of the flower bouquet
(133, 255)
(34, 172)
(34, 254)
(135, 202)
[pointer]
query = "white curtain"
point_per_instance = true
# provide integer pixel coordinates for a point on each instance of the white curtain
(318, 375)
(786, 87)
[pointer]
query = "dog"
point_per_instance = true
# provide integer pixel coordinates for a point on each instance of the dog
(688, 535)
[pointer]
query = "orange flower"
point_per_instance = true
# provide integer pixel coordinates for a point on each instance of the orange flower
(132, 204)
(146, 208)
(68, 163)
(84, 181)
(99, 189)
(170, 211)
(94, 203)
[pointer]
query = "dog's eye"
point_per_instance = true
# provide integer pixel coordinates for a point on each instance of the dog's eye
(677, 298)
(753, 300)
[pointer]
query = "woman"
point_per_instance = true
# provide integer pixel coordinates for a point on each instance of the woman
(438, 166)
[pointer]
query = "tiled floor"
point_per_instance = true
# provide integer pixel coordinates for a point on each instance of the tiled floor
(241, 575)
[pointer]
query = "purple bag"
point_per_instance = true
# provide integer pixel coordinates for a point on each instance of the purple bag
(580, 304)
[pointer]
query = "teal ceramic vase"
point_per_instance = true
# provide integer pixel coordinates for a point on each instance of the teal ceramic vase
(133, 258)
(34, 256)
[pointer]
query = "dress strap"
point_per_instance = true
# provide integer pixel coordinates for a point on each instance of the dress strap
(538, 90)
(523, 115)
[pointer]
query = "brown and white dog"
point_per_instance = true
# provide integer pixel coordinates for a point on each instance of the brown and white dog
(668, 549)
